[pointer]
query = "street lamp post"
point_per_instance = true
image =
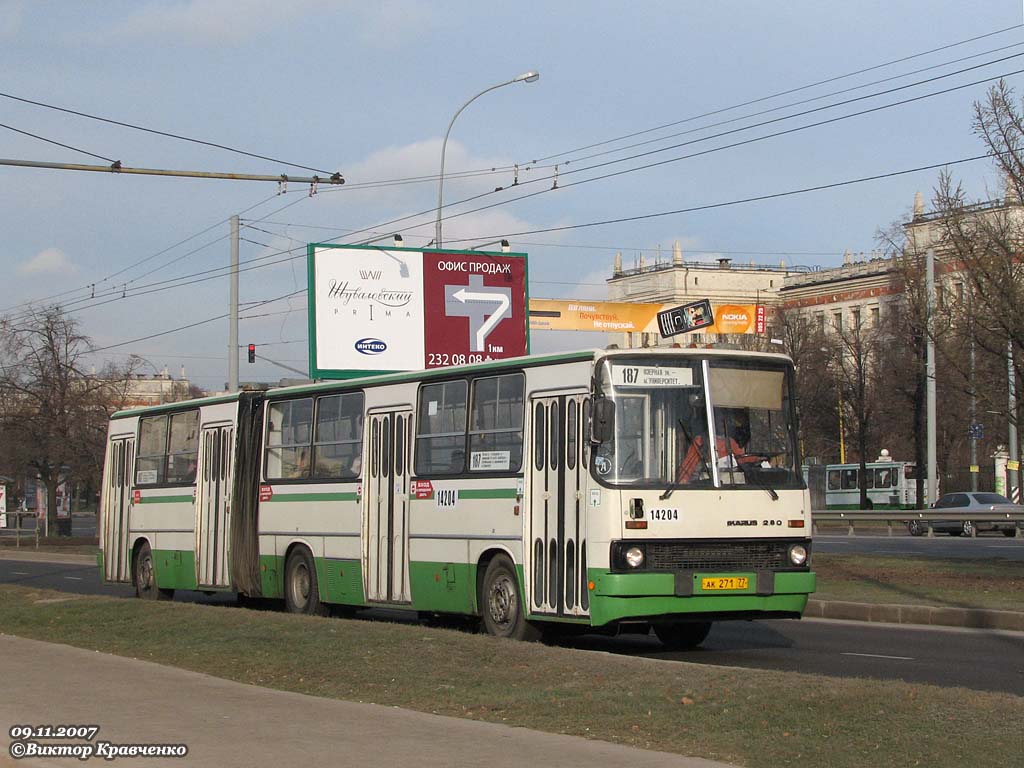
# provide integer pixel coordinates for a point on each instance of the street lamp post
(526, 77)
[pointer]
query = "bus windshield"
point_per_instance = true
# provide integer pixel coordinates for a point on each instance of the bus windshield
(695, 423)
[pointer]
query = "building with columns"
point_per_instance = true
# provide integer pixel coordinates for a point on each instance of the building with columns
(680, 281)
(143, 389)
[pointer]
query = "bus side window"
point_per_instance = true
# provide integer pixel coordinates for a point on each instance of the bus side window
(849, 478)
(441, 429)
(289, 439)
(833, 479)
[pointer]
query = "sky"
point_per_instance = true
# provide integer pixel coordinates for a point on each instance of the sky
(368, 89)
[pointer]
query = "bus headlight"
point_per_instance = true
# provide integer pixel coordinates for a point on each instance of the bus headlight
(798, 554)
(634, 557)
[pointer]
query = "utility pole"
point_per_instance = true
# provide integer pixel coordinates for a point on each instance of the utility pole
(930, 375)
(1012, 465)
(974, 417)
(233, 311)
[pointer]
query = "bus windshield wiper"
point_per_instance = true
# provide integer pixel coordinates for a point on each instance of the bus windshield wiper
(751, 475)
(689, 441)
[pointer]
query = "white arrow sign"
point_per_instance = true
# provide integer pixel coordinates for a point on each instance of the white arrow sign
(462, 295)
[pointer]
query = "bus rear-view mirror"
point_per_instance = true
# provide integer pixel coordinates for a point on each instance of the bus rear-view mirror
(602, 420)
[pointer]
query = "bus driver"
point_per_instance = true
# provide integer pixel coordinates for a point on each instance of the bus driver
(730, 447)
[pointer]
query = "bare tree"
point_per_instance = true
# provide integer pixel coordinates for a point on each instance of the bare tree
(984, 240)
(53, 414)
(816, 386)
(858, 374)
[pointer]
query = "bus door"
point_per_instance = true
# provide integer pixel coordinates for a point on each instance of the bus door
(386, 507)
(556, 567)
(213, 504)
(116, 508)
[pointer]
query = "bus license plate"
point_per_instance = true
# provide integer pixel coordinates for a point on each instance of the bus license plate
(724, 583)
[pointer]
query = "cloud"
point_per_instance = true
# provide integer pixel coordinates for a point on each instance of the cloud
(50, 261)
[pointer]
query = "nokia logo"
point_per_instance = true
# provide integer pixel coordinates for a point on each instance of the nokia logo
(370, 346)
(741, 522)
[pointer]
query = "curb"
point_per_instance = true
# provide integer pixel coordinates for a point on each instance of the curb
(929, 615)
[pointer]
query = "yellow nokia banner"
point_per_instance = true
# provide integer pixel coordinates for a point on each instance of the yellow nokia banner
(624, 317)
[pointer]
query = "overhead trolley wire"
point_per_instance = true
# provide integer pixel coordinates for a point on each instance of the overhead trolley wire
(428, 178)
(57, 143)
(628, 170)
(784, 92)
(131, 266)
(710, 206)
(714, 149)
(799, 103)
(190, 325)
(740, 201)
(164, 133)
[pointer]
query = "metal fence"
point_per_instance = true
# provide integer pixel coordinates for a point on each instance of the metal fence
(925, 516)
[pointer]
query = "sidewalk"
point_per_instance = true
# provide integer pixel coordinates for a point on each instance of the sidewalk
(230, 724)
(889, 613)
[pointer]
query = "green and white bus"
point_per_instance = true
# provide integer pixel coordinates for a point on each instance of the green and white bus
(543, 492)
(890, 484)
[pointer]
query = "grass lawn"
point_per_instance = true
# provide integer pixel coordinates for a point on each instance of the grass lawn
(989, 583)
(748, 717)
(70, 545)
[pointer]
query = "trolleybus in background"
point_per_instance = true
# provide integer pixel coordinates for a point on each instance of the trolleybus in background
(890, 484)
(614, 490)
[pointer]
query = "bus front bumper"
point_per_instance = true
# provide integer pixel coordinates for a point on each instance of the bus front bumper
(619, 596)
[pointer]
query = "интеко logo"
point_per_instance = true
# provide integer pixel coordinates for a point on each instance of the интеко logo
(370, 346)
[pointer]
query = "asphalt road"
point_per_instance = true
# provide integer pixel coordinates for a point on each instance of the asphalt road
(978, 659)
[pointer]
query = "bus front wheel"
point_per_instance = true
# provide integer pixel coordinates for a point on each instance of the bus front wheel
(301, 591)
(501, 604)
(681, 637)
(145, 577)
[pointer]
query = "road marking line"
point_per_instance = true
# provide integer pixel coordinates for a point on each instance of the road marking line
(20, 573)
(74, 578)
(879, 656)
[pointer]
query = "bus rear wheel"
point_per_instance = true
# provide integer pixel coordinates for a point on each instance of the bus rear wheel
(301, 591)
(145, 577)
(681, 637)
(501, 604)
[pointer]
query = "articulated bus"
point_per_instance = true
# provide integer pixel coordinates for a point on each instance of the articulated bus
(613, 490)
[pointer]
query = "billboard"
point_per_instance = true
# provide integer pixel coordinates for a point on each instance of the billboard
(689, 317)
(625, 317)
(610, 316)
(374, 309)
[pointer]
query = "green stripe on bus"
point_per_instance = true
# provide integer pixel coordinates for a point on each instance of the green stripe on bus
(167, 499)
(280, 497)
(487, 493)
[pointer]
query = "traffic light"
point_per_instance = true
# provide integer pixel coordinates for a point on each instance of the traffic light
(252, 353)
